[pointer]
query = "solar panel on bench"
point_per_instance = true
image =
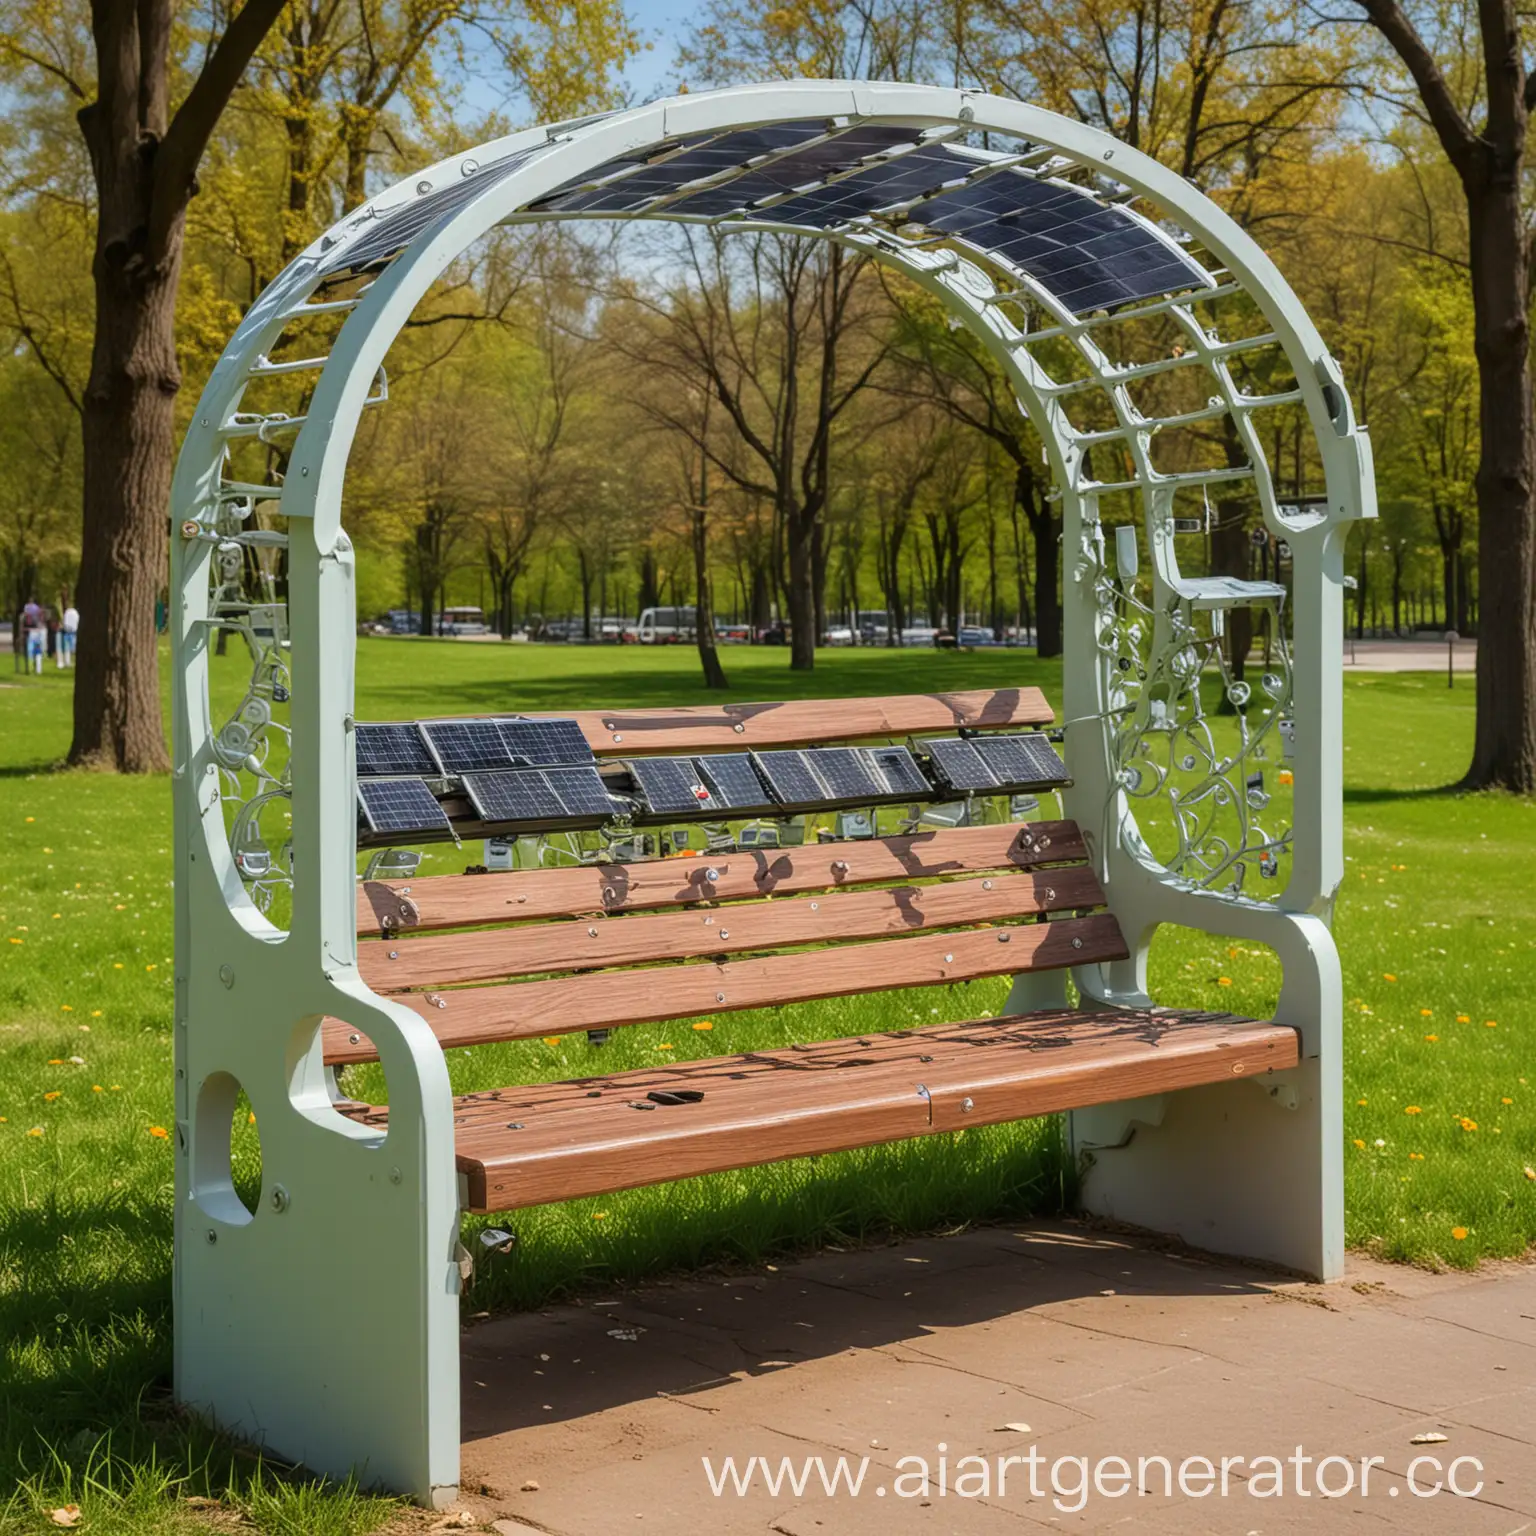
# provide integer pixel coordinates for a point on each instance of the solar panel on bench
(392, 750)
(1022, 762)
(581, 791)
(790, 778)
(514, 794)
(902, 776)
(846, 773)
(958, 763)
(732, 782)
(467, 746)
(537, 743)
(670, 784)
(403, 806)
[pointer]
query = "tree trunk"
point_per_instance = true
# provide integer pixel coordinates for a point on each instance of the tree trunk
(1504, 750)
(129, 428)
(801, 595)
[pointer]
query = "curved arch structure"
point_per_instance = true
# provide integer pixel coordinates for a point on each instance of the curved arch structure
(1158, 354)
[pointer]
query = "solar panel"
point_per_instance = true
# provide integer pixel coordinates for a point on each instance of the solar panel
(732, 782)
(390, 230)
(467, 746)
(958, 764)
(581, 791)
(1023, 762)
(513, 794)
(1088, 255)
(402, 806)
(670, 784)
(790, 778)
(846, 773)
(536, 743)
(394, 750)
(896, 767)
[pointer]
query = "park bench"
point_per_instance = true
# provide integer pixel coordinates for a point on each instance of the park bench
(1163, 364)
(547, 952)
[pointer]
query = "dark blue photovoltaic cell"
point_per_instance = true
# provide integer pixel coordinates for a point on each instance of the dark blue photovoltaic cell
(799, 168)
(700, 158)
(881, 185)
(1087, 255)
(392, 230)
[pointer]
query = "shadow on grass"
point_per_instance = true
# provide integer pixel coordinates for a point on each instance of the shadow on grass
(1374, 795)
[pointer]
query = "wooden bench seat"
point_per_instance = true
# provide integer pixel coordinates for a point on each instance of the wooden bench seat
(557, 1141)
(530, 953)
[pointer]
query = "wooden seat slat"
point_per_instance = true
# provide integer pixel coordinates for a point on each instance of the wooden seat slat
(975, 1042)
(989, 1071)
(454, 901)
(479, 1015)
(806, 722)
(483, 954)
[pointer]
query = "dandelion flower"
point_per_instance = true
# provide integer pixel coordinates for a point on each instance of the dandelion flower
(95, 1013)
(51, 1095)
(704, 1024)
(1506, 1101)
(1459, 1233)
(1360, 1102)
(55, 1061)
(1426, 1013)
(31, 818)
(1490, 1024)
(1463, 1018)
(599, 1215)
(1468, 1124)
(664, 1047)
(1433, 1039)
(1530, 1173)
(1223, 981)
(1412, 1109)
(1415, 1157)
(36, 1130)
(1388, 976)
(66, 1007)
(96, 1088)
(551, 1039)
(1359, 1143)
(250, 1119)
(159, 1132)
(1286, 776)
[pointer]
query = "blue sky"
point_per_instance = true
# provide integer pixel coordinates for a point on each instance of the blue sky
(659, 22)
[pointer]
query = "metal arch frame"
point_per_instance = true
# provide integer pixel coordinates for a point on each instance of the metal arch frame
(350, 1220)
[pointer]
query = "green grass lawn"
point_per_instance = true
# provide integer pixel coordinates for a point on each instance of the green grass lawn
(1435, 925)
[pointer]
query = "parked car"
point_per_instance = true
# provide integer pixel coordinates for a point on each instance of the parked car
(976, 634)
(401, 621)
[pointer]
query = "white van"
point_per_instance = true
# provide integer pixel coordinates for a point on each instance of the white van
(667, 626)
(462, 621)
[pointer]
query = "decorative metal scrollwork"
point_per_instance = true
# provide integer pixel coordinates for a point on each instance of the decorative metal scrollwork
(1190, 737)
(253, 747)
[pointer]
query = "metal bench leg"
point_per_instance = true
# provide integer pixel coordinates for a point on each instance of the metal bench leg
(353, 1238)
(1251, 1168)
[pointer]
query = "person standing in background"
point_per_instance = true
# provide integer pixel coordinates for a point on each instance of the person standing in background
(69, 627)
(35, 621)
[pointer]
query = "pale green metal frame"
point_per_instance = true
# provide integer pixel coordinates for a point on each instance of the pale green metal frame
(354, 1240)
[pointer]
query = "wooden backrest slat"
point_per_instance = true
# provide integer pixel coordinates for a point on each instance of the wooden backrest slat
(456, 901)
(806, 722)
(605, 999)
(486, 953)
